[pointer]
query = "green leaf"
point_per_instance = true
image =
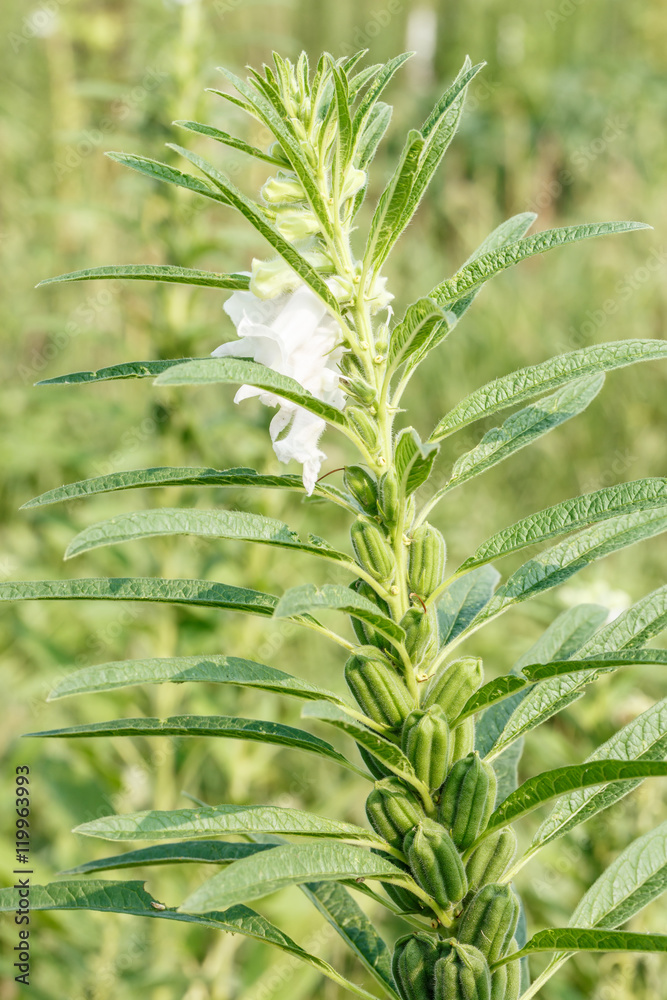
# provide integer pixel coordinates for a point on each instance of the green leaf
(567, 516)
(370, 139)
(552, 784)
(211, 371)
(215, 852)
(234, 524)
(155, 272)
(583, 939)
(413, 460)
(413, 331)
(491, 693)
(300, 600)
(212, 669)
(204, 593)
(363, 113)
(229, 140)
(392, 201)
(345, 135)
(131, 369)
(145, 478)
(289, 864)
(159, 171)
(222, 726)
(223, 821)
(633, 627)
(463, 600)
(603, 663)
(131, 898)
(518, 386)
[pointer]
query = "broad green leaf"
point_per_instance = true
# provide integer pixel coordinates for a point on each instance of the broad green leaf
(569, 515)
(223, 821)
(229, 140)
(605, 662)
(413, 460)
(515, 388)
(509, 231)
(155, 272)
(131, 898)
(506, 767)
(413, 331)
(584, 939)
(204, 593)
(289, 864)
(520, 429)
(631, 882)
(301, 600)
(214, 852)
(210, 371)
(645, 738)
(463, 600)
(212, 669)
(634, 627)
(393, 200)
(131, 369)
(491, 693)
(234, 524)
(147, 478)
(561, 780)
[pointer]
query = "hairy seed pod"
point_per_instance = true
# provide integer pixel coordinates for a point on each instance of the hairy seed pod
(463, 739)
(372, 550)
(435, 862)
(425, 742)
(452, 686)
(491, 859)
(365, 633)
(375, 766)
(412, 966)
(388, 497)
(462, 973)
(513, 976)
(421, 634)
(363, 487)
(426, 565)
(364, 425)
(392, 810)
(489, 921)
(377, 686)
(467, 799)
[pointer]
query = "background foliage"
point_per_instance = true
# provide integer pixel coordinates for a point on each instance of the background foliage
(565, 121)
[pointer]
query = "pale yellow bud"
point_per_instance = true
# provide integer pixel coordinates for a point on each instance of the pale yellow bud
(283, 191)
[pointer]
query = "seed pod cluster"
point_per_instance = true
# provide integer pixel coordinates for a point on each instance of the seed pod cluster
(453, 685)
(373, 550)
(425, 739)
(489, 921)
(421, 634)
(462, 974)
(413, 964)
(436, 863)
(467, 799)
(491, 859)
(378, 687)
(393, 810)
(426, 564)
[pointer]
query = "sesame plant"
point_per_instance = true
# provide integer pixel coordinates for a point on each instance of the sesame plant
(438, 739)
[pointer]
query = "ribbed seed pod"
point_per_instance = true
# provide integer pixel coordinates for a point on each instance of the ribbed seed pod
(463, 739)
(435, 862)
(467, 799)
(426, 563)
(513, 979)
(462, 974)
(378, 688)
(499, 983)
(372, 550)
(489, 921)
(425, 742)
(421, 634)
(412, 966)
(393, 810)
(491, 859)
(364, 425)
(363, 487)
(452, 686)
(388, 497)
(366, 634)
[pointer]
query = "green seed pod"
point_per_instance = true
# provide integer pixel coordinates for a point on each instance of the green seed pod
(372, 550)
(426, 565)
(388, 497)
(499, 983)
(421, 634)
(364, 425)
(467, 799)
(513, 979)
(463, 739)
(491, 859)
(366, 634)
(377, 686)
(453, 685)
(362, 486)
(376, 767)
(435, 862)
(392, 810)
(360, 389)
(412, 966)
(462, 974)
(425, 741)
(489, 921)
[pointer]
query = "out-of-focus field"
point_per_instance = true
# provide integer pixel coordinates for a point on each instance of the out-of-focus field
(568, 119)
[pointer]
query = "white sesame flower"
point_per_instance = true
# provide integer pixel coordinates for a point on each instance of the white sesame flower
(294, 335)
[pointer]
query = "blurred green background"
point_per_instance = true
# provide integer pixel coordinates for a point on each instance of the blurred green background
(568, 119)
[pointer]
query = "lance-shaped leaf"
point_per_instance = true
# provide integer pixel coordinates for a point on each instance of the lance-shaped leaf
(477, 272)
(368, 144)
(222, 821)
(131, 898)
(289, 864)
(604, 662)
(159, 171)
(214, 852)
(131, 369)
(413, 331)
(368, 102)
(231, 524)
(463, 600)
(645, 738)
(552, 784)
(229, 140)
(569, 515)
(631, 882)
(203, 593)
(149, 478)
(491, 693)
(155, 272)
(634, 627)
(214, 669)
(393, 200)
(211, 371)
(520, 429)
(584, 939)
(221, 726)
(344, 118)
(515, 388)
(302, 600)
(413, 460)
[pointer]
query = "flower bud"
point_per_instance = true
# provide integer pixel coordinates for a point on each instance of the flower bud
(363, 487)
(282, 190)
(462, 974)
(392, 810)
(373, 551)
(425, 742)
(353, 181)
(421, 634)
(467, 799)
(412, 966)
(453, 685)
(489, 921)
(426, 566)
(296, 224)
(378, 688)
(435, 862)
(491, 859)
(271, 278)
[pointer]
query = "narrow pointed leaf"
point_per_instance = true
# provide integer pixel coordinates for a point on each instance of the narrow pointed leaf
(159, 171)
(463, 600)
(413, 331)
(413, 460)
(364, 111)
(584, 939)
(131, 369)
(393, 199)
(491, 693)
(229, 140)
(634, 627)
(155, 272)
(301, 600)
(604, 662)
(215, 852)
